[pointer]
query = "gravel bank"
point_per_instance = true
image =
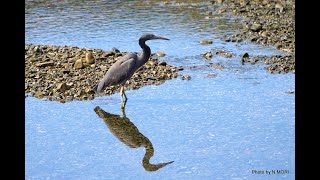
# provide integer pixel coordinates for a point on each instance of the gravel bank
(268, 22)
(65, 73)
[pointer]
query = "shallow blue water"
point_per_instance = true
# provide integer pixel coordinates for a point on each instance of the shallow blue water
(226, 127)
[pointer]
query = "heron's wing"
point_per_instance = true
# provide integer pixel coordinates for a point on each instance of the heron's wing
(127, 68)
(122, 70)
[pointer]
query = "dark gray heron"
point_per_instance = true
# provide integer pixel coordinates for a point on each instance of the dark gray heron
(125, 67)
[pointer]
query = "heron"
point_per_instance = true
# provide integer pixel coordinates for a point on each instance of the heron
(124, 68)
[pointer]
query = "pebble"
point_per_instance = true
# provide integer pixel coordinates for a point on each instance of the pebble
(78, 64)
(89, 58)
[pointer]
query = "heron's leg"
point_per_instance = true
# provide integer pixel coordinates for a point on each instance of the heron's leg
(125, 96)
(123, 103)
(121, 95)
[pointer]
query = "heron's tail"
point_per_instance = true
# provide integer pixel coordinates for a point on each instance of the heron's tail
(95, 87)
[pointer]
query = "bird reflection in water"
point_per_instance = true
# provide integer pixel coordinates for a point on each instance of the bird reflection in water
(128, 133)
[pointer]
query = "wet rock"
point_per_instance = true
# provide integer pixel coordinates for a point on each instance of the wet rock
(205, 42)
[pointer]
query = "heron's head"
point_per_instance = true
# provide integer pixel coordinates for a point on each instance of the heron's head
(146, 37)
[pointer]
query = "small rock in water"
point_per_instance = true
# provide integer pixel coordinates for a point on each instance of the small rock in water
(224, 53)
(244, 58)
(160, 54)
(207, 55)
(185, 77)
(205, 42)
(180, 68)
(217, 65)
(290, 92)
(212, 75)
(115, 50)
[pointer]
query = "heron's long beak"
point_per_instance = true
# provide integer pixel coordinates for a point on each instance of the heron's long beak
(159, 37)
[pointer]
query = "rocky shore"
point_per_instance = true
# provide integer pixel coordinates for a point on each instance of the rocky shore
(268, 22)
(64, 73)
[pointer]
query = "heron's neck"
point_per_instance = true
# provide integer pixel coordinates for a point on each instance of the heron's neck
(145, 161)
(148, 154)
(145, 54)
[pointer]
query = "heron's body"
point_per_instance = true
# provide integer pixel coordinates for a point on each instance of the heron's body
(121, 71)
(124, 68)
